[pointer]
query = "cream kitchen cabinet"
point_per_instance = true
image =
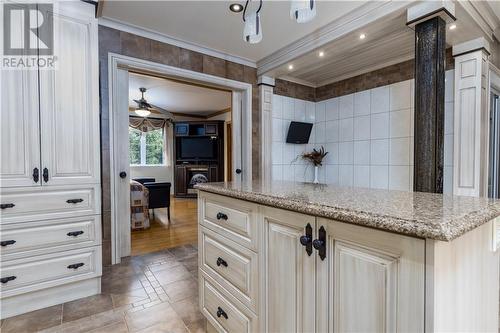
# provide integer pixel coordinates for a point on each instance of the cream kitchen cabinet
(50, 118)
(50, 217)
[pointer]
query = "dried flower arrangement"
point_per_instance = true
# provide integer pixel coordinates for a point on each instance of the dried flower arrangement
(315, 157)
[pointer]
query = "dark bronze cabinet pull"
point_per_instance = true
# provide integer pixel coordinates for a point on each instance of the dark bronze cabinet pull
(7, 279)
(306, 240)
(320, 243)
(74, 201)
(221, 313)
(45, 175)
(4, 206)
(76, 266)
(221, 216)
(36, 175)
(75, 233)
(221, 261)
(7, 242)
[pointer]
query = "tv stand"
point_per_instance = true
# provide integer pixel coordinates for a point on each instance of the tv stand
(190, 170)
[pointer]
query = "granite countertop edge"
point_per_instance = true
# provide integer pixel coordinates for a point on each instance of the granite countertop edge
(447, 232)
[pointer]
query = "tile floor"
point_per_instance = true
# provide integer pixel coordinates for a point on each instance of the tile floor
(156, 292)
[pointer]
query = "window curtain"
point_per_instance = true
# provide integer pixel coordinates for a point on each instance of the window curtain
(150, 124)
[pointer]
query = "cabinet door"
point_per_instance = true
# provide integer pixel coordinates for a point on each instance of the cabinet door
(370, 280)
(19, 122)
(289, 273)
(69, 99)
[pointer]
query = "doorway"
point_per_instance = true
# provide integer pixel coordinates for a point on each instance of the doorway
(120, 70)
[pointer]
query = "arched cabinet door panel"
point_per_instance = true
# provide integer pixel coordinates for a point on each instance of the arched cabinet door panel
(68, 102)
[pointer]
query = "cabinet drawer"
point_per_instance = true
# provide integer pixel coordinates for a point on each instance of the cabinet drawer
(31, 204)
(224, 312)
(232, 218)
(232, 265)
(39, 272)
(32, 238)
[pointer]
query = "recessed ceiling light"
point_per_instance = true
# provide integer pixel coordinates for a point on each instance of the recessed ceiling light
(290, 67)
(321, 54)
(453, 27)
(235, 7)
(362, 36)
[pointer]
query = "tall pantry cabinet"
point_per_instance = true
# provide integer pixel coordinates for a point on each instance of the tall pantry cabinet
(50, 223)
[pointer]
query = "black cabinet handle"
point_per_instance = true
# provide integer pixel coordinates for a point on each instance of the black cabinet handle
(7, 242)
(75, 233)
(76, 266)
(306, 240)
(221, 313)
(74, 201)
(221, 216)
(36, 175)
(123, 174)
(4, 206)
(238, 171)
(222, 262)
(45, 174)
(320, 243)
(7, 279)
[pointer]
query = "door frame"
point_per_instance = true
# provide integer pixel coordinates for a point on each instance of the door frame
(241, 119)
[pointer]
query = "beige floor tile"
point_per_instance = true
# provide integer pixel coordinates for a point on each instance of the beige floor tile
(33, 321)
(176, 326)
(199, 326)
(119, 285)
(119, 327)
(172, 275)
(180, 290)
(161, 313)
(188, 310)
(183, 251)
(133, 296)
(87, 306)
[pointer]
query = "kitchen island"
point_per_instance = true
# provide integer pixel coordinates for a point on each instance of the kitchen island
(297, 257)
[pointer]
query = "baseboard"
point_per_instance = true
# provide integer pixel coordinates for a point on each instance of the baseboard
(19, 304)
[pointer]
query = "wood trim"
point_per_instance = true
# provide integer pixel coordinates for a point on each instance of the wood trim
(216, 113)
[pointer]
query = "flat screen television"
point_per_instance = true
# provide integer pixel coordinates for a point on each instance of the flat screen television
(299, 132)
(197, 148)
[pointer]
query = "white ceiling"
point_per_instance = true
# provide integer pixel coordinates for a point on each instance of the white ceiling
(212, 25)
(174, 96)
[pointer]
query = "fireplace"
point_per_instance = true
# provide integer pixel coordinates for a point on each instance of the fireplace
(196, 175)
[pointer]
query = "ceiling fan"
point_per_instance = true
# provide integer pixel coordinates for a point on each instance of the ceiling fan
(144, 108)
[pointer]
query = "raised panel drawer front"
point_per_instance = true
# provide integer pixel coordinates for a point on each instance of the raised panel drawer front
(232, 265)
(224, 312)
(232, 218)
(31, 204)
(33, 238)
(39, 272)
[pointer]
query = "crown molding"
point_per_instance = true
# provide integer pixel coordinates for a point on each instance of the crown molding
(482, 14)
(298, 81)
(352, 21)
(151, 34)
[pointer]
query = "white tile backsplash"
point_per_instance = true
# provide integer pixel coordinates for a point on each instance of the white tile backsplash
(368, 134)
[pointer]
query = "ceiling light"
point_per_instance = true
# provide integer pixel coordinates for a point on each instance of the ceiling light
(290, 67)
(321, 54)
(362, 36)
(142, 112)
(453, 27)
(303, 11)
(235, 7)
(252, 31)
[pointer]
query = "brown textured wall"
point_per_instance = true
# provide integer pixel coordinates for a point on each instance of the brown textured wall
(381, 77)
(120, 42)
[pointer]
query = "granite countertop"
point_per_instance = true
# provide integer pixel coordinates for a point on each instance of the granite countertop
(426, 215)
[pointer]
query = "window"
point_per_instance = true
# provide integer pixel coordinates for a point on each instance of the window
(146, 148)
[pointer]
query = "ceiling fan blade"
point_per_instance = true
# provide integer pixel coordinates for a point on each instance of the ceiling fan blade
(162, 110)
(137, 101)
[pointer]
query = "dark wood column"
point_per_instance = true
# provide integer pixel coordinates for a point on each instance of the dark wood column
(430, 38)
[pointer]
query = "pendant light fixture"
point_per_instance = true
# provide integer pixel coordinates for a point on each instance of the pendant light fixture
(303, 11)
(252, 32)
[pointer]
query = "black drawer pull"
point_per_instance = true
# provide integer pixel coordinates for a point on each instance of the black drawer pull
(76, 266)
(221, 312)
(45, 175)
(75, 233)
(36, 175)
(320, 243)
(74, 201)
(4, 206)
(8, 242)
(221, 261)
(307, 239)
(7, 279)
(221, 216)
